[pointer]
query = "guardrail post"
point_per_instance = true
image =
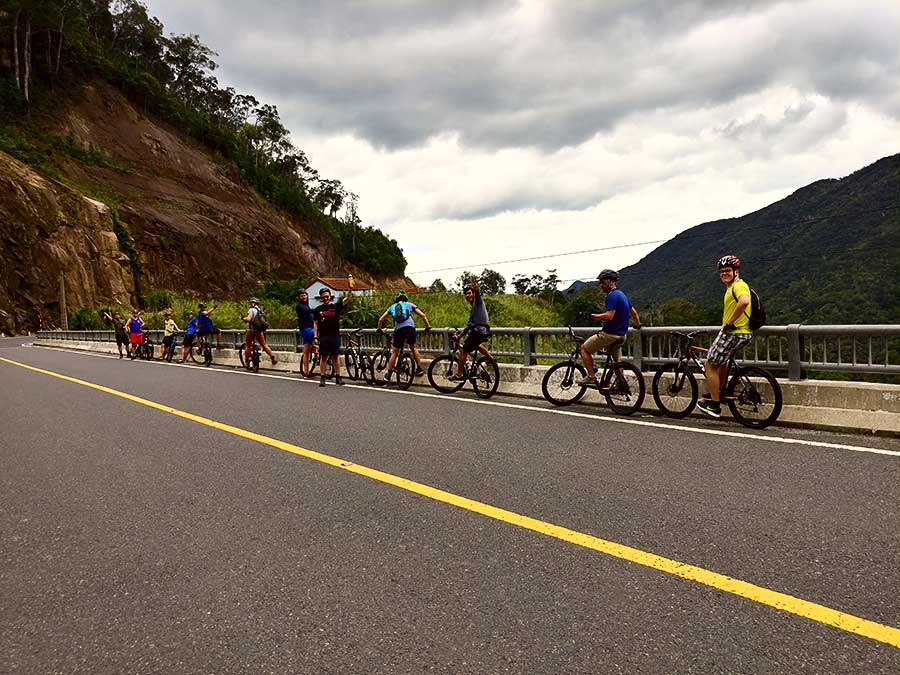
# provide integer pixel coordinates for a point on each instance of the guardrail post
(296, 341)
(637, 339)
(527, 347)
(446, 334)
(795, 355)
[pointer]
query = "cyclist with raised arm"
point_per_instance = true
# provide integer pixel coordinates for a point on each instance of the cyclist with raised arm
(255, 332)
(327, 330)
(477, 330)
(734, 334)
(205, 326)
(404, 332)
(121, 332)
(305, 321)
(618, 312)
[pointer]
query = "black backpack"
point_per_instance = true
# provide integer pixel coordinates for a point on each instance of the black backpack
(757, 314)
(260, 322)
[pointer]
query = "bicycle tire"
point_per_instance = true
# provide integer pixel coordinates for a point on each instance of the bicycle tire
(207, 355)
(559, 384)
(486, 378)
(439, 371)
(147, 351)
(351, 365)
(170, 352)
(405, 371)
(366, 369)
(194, 353)
(254, 358)
(754, 397)
(675, 390)
(626, 395)
(241, 356)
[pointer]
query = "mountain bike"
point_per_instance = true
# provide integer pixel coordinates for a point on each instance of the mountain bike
(145, 349)
(356, 362)
(621, 384)
(482, 371)
(169, 352)
(404, 367)
(254, 356)
(752, 393)
(313, 368)
(201, 351)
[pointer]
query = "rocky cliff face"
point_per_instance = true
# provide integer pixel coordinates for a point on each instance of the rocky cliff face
(154, 211)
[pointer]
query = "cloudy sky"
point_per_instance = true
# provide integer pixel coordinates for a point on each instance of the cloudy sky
(483, 131)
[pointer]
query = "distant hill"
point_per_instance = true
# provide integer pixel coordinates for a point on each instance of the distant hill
(828, 253)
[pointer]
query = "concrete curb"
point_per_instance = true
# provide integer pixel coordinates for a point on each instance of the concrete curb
(837, 406)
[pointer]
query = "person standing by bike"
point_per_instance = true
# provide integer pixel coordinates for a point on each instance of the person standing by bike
(477, 330)
(611, 337)
(205, 326)
(327, 330)
(135, 331)
(168, 334)
(255, 331)
(121, 332)
(404, 332)
(305, 321)
(190, 332)
(735, 332)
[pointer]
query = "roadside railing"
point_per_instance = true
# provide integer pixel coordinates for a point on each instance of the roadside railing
(795, 348)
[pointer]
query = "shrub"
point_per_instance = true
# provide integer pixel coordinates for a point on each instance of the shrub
(160, 299)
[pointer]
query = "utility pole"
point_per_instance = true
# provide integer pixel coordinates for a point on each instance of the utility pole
(64, 314)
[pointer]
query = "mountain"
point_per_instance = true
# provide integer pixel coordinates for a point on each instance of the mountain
(828, 253)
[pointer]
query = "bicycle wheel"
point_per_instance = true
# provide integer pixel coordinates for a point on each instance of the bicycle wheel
(486, 378)
(147, 351)
(754, 397)
(365, 369)
(405, 370)
(329, 367)
(207, 355)
(625, 393)
(170, 352)
(559, 383)
(240, 354)
(351, 365)
(254, 359)
(439, 372)
(194, 353)
(675, 390)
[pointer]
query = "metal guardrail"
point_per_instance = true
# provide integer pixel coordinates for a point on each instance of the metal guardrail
(794, 348)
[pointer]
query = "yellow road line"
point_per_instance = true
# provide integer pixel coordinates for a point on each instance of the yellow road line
(787, 603)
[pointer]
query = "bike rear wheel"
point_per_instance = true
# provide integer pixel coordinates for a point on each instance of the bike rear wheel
(254, 357)
(405, 371)
(366, 372)
(675, 390)
(559, 384)
(754, 397)
(194, 354)
(147, 351)
(486, 378)
(439, 372)
(207, 355)
(351, 365)
(623, 393)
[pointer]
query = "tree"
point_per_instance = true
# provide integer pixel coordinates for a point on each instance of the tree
(491, 282)
(437, 286)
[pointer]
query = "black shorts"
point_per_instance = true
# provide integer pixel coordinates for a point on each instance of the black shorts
(329, 345)
(188, 340)
(473, 339)
(404, 336)
(167, 340)
(122, 339)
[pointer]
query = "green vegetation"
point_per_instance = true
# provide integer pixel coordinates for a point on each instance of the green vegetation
(60, 43)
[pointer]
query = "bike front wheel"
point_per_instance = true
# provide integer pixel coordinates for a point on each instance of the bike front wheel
(207, 355)
(675, 390)
(405, 371)
(366, 372)
(559, 384)
(754, 397)
(486, 378)
(439, 372)
(623, 388)
(147, 351)
(254, 357)
(351, 365)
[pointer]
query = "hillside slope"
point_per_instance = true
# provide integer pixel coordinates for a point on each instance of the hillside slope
(828, 253)
(132, 205)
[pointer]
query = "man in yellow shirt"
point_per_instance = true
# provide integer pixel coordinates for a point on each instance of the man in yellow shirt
(735, 332)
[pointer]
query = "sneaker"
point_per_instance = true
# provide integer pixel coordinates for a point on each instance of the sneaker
(388, 374)
(339, 380)
(457, 378)
(710, 407)
(321, 381)
(274, 359)
(419, 372)
(588, 381)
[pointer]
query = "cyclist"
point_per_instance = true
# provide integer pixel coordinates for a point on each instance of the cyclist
(121, 332)
(305, 323)
(735, 332)
(327, 329)
(477, 329)
(404, 331)
(135, 331)
(611, 336)
(254, 332)
(205, 326)
(190, 331)
(169, 334)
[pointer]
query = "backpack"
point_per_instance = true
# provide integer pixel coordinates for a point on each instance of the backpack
(259, 321)
(400, 312)
(757, 314)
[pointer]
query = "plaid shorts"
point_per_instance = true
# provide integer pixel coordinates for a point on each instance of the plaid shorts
(725, 345)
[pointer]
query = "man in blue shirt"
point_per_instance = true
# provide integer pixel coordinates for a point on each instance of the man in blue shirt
(305, 321)
(189, 332)
(615, 325)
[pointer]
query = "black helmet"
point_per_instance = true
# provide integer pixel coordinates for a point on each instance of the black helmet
(608, 274)
(731, 261)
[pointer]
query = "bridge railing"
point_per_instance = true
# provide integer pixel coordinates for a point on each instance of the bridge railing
(794, 348)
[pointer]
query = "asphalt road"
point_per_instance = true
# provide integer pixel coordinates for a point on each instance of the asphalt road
(133, 539)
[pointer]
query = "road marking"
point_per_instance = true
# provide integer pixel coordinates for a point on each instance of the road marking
(764, 596)
(548, 411)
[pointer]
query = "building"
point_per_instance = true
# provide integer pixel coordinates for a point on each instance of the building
(337, 285)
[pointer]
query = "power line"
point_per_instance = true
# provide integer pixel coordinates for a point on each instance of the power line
(680, 237)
